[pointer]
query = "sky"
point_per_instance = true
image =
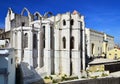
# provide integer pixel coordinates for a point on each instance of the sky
(100, 15)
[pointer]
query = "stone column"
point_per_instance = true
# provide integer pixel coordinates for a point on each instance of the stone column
(47, 50)
(39, 48)
(19, 49)
(57, 57)
(83, 44)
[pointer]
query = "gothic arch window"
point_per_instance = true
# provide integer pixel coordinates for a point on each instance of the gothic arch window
(72, 42)
(34, 41)
(23, 11)
(71, 22)
(37, 16)
(64, 22)
(25, 40)
(64, 42)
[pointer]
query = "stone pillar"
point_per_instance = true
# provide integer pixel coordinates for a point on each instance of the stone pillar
(47, 50)
(83, 44)
(30, 47)
(19, 41)
(57, 52)
(39, 48)
(28, 51)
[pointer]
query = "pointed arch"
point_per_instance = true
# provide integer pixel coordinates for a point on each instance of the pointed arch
(28, 12)
(48, 13)
(9, 11)
(25, 9)
(37, 16)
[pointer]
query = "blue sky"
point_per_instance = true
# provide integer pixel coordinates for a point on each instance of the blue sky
(101, 15)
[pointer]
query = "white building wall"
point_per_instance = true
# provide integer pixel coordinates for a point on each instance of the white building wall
(44, 57)
(101, 43)
(76, 52)
(65, 53)
(7, 61)
(11, 67)
(19, 56)
(47, 49)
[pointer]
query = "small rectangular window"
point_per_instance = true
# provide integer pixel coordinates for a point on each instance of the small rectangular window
(11, 60)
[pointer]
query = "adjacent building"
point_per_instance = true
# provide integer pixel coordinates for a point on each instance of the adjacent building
(114, 54)
(7, 67)
(98, 43)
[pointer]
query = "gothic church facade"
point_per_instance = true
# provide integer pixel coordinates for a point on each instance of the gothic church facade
(54, 43)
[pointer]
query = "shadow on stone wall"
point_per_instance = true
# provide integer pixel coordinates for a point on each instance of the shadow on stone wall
(29, 75)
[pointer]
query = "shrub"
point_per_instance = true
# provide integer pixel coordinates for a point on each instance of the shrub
(83, 77)
(63, 78)
(70, 78)
(104, 74)
(51, 77)
(94, 77)
(46, 77)
(54, 81)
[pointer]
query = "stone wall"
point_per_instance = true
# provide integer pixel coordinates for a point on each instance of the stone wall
(110, 80)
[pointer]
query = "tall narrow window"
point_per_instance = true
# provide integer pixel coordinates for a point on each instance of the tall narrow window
(43, 36)
(51, 38)
(11, 60)
(71, 22)
(25, 40)
(92, 48)
(35, 41)
(81, 25)
(72, 43)
(64, 42)
(23, 24)
(36, 17)
(64, 22)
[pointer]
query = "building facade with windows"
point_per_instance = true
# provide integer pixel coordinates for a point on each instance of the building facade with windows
(114, 54)
(54, 43)
(98, 43)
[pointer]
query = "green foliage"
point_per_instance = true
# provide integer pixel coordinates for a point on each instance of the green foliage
(46, 77)
(94, 77)
(69, 78)
(51, 77)
(83, 77)
(65, 75)
(63, 78)
(54, 81)
(104, 74)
